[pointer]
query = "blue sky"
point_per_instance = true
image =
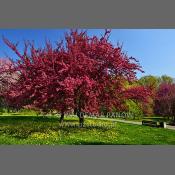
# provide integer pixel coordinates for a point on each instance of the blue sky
(154, 48)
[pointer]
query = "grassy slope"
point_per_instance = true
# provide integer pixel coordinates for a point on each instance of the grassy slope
(46, 130)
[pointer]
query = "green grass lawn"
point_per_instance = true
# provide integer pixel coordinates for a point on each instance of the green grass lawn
(40, 130)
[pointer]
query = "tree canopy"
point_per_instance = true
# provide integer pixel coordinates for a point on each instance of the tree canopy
(81, 73)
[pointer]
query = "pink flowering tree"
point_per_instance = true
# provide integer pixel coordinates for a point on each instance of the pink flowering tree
(165, 100)
(82, 74)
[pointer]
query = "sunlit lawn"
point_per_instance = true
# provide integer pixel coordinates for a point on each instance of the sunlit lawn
(15, 129)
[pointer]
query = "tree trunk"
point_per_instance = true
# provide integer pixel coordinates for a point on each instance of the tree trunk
(81, 118)
(62, 117)
(75, 111)
(81, 121)
(173, 120)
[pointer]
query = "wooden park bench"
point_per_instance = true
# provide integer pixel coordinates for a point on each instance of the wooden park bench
(154, 123)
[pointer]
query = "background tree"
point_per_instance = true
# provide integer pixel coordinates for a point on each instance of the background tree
(150, 81)
(6, 78)
(165, 79)
(165, 100)
(153, 82)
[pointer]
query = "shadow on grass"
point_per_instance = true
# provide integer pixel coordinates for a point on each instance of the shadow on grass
(33, 118)
(67, 123)
(21, 127)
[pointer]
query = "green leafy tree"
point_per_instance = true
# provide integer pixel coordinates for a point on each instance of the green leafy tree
(134, 108)
(166, 79)
(150, 81)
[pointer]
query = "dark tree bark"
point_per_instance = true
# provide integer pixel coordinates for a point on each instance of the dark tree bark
(62, 117)
(75, 111)
(81, 118)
